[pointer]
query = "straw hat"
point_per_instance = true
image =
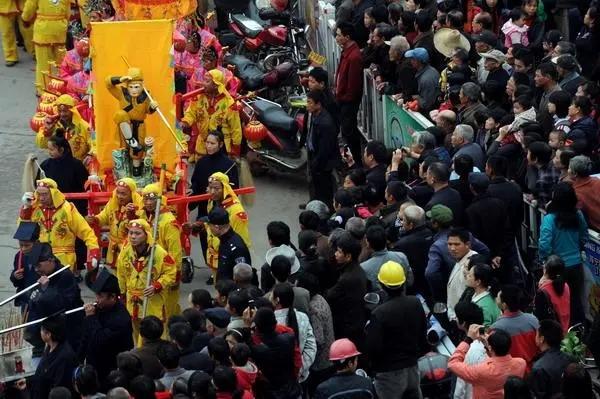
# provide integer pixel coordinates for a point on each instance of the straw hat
(447, 40)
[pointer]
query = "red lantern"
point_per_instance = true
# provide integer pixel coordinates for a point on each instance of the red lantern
(255, 131)
(57, 86)
(37, 121)
(47, 97)
(46, 108)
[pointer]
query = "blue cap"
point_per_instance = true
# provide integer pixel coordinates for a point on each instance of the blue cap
(419, 53)
(27, 231)
(218, 316)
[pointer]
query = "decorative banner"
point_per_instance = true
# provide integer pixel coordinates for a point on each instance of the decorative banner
(145, 45)
(592, 261)
(400, 124)
(133, 10)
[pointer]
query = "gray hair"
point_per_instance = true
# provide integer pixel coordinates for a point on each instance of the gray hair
(424, 139)
(465, 131)
(472, 91)
(118, 393)
(399, 44)
(415, 215)
(356, 226)
(319, 208)
(242, 273)
(335, 234)
(580, 166)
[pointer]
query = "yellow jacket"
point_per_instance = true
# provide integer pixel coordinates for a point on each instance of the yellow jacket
(132, 273)
(78, 136)
(59, 226)
(209, 115)
(51, 20)
(11, 7)
(115, 217)
(140, 106)
(169, 237)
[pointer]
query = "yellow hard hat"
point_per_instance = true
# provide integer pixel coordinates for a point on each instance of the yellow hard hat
(391, 274)
(135, 74)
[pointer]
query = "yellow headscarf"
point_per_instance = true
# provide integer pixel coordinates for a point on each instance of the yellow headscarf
(154, 190)
(224, 180)
(141, 223)
(58, 198)
(69, 101)
(136, 198)
(219, 79)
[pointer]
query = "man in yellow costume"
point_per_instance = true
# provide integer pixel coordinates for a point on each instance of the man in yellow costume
(77, 130)
(60, 223)
(215, 109)
(49, 32)
(124, 205)
(222, 195)
(134, 106)
(9, 14)
(132, 271)
(168, 237)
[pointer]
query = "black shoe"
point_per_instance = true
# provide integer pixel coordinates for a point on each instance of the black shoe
(11, 63)
(302, 206)
(210, 281)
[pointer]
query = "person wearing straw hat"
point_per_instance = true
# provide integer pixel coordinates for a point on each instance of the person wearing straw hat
(214, 108)
(133, 265)
(60, 222)
(77, 130)
(447, 40)
(124, 204)
(168, 236)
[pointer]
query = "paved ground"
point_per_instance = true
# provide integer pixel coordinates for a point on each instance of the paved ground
(277, 197)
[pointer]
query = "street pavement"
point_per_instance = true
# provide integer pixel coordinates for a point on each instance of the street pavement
(277, 196)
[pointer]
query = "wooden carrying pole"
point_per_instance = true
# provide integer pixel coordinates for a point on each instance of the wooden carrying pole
(151, 260)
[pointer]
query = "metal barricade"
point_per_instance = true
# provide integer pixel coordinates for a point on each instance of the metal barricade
(370, 114)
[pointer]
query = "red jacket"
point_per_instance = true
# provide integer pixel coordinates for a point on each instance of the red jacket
(246, 377)
(561, 304)
(281, 329)
(349, 75)
(587, 189)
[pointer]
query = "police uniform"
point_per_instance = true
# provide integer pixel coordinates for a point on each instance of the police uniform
(108, 332)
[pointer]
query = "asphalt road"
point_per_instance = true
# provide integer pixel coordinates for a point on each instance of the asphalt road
(277, 197)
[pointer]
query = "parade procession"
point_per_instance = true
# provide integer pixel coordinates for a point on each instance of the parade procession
(294, 199)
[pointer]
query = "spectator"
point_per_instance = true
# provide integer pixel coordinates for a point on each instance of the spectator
(539, 157)
(345, 383)
(169, 355)
(583, 127)
(515, 30)
(60, 393)
(563, 232)
(399, 79)
(484, 42)
(246, 279)
(463, 142)
(437, 178)
(552, 299)
(395, 337)
(562, 157)
(237, 302)
(493, 61)
(546, 79)
(217, 320)
(118, 393)
(282, 299)
(376, 240)
(182, 335)
(218, 350)
(521, 326)
(567, 68)
(346, 297)
(459, 247)
(470, 105)
(558, 107)
(467, 314)
(85, 382)
(576, 383)
(463, 166)
(199, 385)
(280, 269)
(507, 191)
(396, 193)
(480, 279)
(375, 162)
(557, 138)
(223, 288)
(349, 94)
(427, 80)
(587, 42)
(309, 220)
(311, 262)
(586, 188)
(142, 387)
(245, 371)
(517, 388)
(318, 79)
(488, 377)
(200, 299)
(226, 384)
(278, 234)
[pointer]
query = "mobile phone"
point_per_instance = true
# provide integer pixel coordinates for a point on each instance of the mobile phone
(482, 330)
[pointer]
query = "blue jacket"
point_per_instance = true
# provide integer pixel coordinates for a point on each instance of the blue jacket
(567, 244)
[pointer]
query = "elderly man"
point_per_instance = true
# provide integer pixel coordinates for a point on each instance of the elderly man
(462, 142)
(470, 104)
(567, 68)
(586, 188)
(493, 61)
(246, 278)
(428, 79)
(401, 79)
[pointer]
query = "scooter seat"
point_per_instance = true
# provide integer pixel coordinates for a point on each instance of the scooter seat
(247, 71)
(250, 27)
(274, 117)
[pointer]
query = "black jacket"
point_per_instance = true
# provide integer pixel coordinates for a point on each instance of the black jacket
(401, 79)
(192, 360)
(546, 374)
(510, 193)
(415, 245)
(346, 386)
(151, 367)
(585, 129)
(487, 219)
(451, 198)
(323, 152)
(396, 334)
(54, 370)
(206, 166)
(346, 299)
(232, 250)
(105, 335)
(70, 176)
(376, 177)
(30, 276)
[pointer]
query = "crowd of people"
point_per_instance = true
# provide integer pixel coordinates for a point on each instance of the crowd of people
(343, 310)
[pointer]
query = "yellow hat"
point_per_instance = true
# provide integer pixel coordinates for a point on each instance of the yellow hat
(219, 79)
(65, 99)
(224, 180)
(153, 191)
(142, 224)
(135, 74)
(391, 274)
(136, 199)
(58, 198)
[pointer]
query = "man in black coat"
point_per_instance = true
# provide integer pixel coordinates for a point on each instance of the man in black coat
(232, 249)
(183, 335)
(508, 191)
(323, 152)
(437, 177)
(107, 329)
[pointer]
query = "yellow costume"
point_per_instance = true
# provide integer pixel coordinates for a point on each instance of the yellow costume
(169, 238)
(116, 218)
(49, 32)
(132, 272)
(60, 225)
(77, 133)
(211, 113)
(238, 219)
(9, 14)
(133, 110)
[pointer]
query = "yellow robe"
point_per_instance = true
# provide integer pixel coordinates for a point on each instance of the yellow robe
(115, 218)
(169, 237)
(132, 273)
(9, 14)
(238, 219)
(222, 113)
(78, 136)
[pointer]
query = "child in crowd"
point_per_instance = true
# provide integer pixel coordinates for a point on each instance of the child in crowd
(515, 30)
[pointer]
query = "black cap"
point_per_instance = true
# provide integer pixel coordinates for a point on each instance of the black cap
(487, 37)
(479, 180)
(27, 231)
(106, 282)
(217, 216)
(217, 316)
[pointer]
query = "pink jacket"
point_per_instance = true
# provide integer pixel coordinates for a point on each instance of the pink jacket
(514, 34)
(489, 376)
